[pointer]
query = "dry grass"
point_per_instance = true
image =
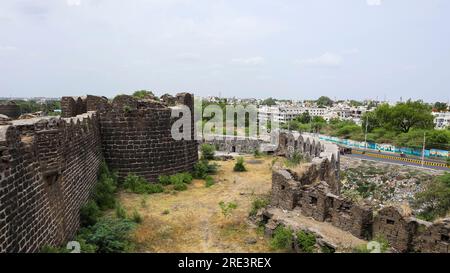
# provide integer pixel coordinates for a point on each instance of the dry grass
(192, 221)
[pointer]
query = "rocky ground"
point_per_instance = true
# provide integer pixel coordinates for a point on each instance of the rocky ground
(382, 184)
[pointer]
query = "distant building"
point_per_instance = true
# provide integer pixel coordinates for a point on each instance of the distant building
(441, 120)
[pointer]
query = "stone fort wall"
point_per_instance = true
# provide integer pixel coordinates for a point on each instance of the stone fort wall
(49, 165)
(48, 170)
(314, 189)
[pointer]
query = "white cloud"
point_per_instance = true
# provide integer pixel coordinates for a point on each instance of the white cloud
(72, 3)
(374, 2)
(249, 61)
(327, 59)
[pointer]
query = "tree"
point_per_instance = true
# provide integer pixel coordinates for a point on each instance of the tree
(269, 102)
(324, 101)
(407, 115)
(434, 201)
(318, 123)
(304, 118)
(441, 106)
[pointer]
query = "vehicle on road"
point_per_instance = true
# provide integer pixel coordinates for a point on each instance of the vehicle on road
(345, 150)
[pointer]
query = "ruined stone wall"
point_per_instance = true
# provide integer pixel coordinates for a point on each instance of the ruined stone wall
(48, 170)
(136, 138)
(10, 109)
(301, 189)
(235, 144)
(136, 134)
(71, 107)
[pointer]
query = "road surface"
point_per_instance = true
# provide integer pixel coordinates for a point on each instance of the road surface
(391, 159)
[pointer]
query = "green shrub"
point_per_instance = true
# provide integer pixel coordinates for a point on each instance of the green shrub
(136, 217)
(282, 238)
(120, 211)
(258, 204)
(180, 186)
(227, 208)
(294, 160)
(209, 181)
(164, 180)
(52, 249)
(200, 169)
(239, 166)
(85, 247)
(257, 153)
(207, 151)
(212, 168)
(89, 214)
(104, 193)
(306, 241)
(109, 235)
(139, 185)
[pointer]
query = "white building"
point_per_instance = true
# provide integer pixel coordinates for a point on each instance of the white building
(441, 120)
(284, 114)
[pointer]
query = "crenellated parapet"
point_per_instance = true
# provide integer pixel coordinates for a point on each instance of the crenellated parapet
(48, 170)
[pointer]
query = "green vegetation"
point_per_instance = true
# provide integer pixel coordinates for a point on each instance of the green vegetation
(109, 235)
(178, 178)
(209, 181)
(269, 102)
(89, 214)
(239, 166)
(306, 241)
(143, 94)
(140, 185)
(294, 160)
(257, 153)
(207, 151)
(136, 217)
(202, 168)
(402, 125)
(282, 238)
(324, 101)
(120, 211)
(258, 204)
(227, 208)
(32, 106)
(434, 201)
(372, 248)
(106, 188)
(440, 106)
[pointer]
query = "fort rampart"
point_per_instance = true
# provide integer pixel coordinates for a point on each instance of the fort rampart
(49, 165)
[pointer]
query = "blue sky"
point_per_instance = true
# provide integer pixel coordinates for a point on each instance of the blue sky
(299, 49)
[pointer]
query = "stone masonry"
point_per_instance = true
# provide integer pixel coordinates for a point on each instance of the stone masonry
(49, 165)
(314, 189)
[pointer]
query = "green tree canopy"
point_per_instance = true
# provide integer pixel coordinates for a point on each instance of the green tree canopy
(440, 106)
(324, 101)
(304, 118)
(407, 115)
(269, 102)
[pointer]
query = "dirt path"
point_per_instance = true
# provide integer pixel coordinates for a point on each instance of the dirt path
(191, 221)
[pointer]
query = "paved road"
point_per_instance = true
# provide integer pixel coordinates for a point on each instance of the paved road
(395, 160)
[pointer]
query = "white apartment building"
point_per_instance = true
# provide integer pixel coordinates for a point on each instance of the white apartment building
(284, 114)
(441, 120)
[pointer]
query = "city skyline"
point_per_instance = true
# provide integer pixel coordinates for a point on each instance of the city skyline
(359, 49)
